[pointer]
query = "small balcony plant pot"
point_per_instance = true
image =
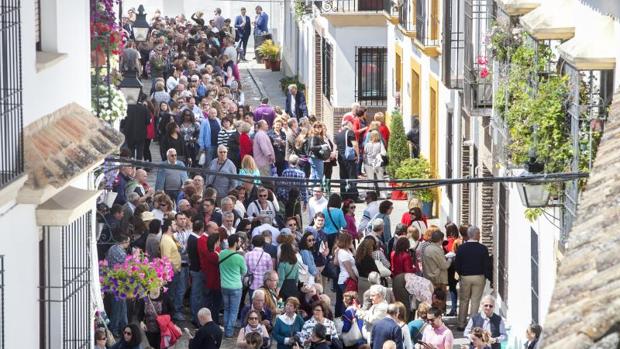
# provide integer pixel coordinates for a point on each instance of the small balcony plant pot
(275, 65)
(267, 63)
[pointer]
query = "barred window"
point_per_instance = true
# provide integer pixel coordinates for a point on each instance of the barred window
(37, 23)
(1, 301)
(326, 65)
(371, 82)
(64, 259)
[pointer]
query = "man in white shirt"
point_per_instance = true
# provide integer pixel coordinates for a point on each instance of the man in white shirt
(316, 203)
(173, 80)
(372, 210)
(266, 220)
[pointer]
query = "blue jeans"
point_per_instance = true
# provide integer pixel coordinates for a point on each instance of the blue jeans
(213, 301)
(316, 166)
(118, 318)
(196, 296)
(178, 287)
(232, 297)
(339, 308)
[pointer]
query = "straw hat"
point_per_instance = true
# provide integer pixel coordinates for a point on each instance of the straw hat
(147, 216)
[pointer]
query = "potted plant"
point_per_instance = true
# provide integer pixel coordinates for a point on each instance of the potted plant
(274, 57)
(397, 150)
(418, 169)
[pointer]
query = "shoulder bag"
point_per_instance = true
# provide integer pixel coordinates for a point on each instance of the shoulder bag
(225, 258)
(349, 152)
(289, 286)
(248, 278)
(354, 335)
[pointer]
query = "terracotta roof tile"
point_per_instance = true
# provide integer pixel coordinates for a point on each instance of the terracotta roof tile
(585, 307)
(60, 146)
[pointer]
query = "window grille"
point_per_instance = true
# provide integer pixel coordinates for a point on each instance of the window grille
(534, 271)
(11, 104)
(427, 22)
(453, 44)
(326, 65)
(371, 81)
(406, 15)
(502, 242)
(352, 5)
(37, 23)
(1, 301)
(449, 145)
(65, 285)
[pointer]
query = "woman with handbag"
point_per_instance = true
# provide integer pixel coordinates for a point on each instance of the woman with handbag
(365, 263)
(155, 305)
(288, 272)
(288, 324)
(347, 278)
(351, 325)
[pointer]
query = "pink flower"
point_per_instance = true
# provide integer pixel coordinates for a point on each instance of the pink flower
(482, 60)
(484, 72)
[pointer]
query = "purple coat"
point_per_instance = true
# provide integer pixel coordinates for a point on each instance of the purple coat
(265, 112)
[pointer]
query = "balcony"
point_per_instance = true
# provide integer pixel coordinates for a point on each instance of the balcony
(11, 103)
(347, 6)
(391, 10)
(406, 18)
(478, 87)
(427, 27)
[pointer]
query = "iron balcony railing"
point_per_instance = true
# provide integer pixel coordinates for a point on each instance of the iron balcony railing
(391, 7)
(427, 22)
(406, 16)
(11, 103)
(478, 87)
(453, 44)
(351, 5)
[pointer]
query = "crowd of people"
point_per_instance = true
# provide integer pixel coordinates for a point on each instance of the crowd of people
(257, 248)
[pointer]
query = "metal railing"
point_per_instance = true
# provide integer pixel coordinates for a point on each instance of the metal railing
(352, 5)
(453, 44)
(371, 79)
(478, 88)
(11, 103)
(427, 22)
(406, 17)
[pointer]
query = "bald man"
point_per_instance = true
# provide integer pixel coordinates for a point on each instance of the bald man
(209, 335)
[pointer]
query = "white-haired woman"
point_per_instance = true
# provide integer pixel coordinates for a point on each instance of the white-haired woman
(377, 311)
(374, 151)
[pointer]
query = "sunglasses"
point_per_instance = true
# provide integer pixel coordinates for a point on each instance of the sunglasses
(128, 333)
(310, 240)
(489, 306)
(352, 207)
(292, 224)
(252, 318)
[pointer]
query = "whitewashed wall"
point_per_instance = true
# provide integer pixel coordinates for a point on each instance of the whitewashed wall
(51, 88)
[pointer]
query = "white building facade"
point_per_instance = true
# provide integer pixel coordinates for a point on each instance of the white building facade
(50, 144)
(338, 50)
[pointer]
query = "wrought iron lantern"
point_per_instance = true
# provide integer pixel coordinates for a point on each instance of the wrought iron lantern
(534, 194)
(141, 26)
(131, 86)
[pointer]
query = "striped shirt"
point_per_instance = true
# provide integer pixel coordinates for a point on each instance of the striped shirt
(285, 187)
(223, 136)
(258, 265)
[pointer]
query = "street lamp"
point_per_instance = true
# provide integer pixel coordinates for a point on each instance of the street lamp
(131, 86)
(141, 26)
(533, 195)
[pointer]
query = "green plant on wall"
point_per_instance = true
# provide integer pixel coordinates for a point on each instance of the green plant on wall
(398, 150)
(418, 168)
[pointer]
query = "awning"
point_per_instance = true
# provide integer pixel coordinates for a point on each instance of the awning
(518, 7)
(548, 23)
(595, 42)
(62, 146)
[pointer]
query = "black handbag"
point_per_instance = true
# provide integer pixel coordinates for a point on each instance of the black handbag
(289, 287)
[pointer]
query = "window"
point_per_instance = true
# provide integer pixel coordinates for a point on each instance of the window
(534, 271)
(37, 23)
(371, 81)
(453, 44)
(11, 105)
(427, 22)
(478, 91)
(326, 64)
(64, 258)
(449, 145)
(502, 241)
(1, 301)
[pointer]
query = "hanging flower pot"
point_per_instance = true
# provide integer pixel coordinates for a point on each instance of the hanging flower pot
(98, 58)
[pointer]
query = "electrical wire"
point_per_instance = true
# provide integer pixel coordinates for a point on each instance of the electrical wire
(395, 184)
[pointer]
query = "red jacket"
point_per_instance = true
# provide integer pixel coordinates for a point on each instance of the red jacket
(170, 333)
(150, 128)
(209, 265)
(245, 145)
(406, 219)
(401, 263)
(385, 133)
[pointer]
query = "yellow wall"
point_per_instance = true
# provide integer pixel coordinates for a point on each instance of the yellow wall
(416, 91)
(434, 134)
